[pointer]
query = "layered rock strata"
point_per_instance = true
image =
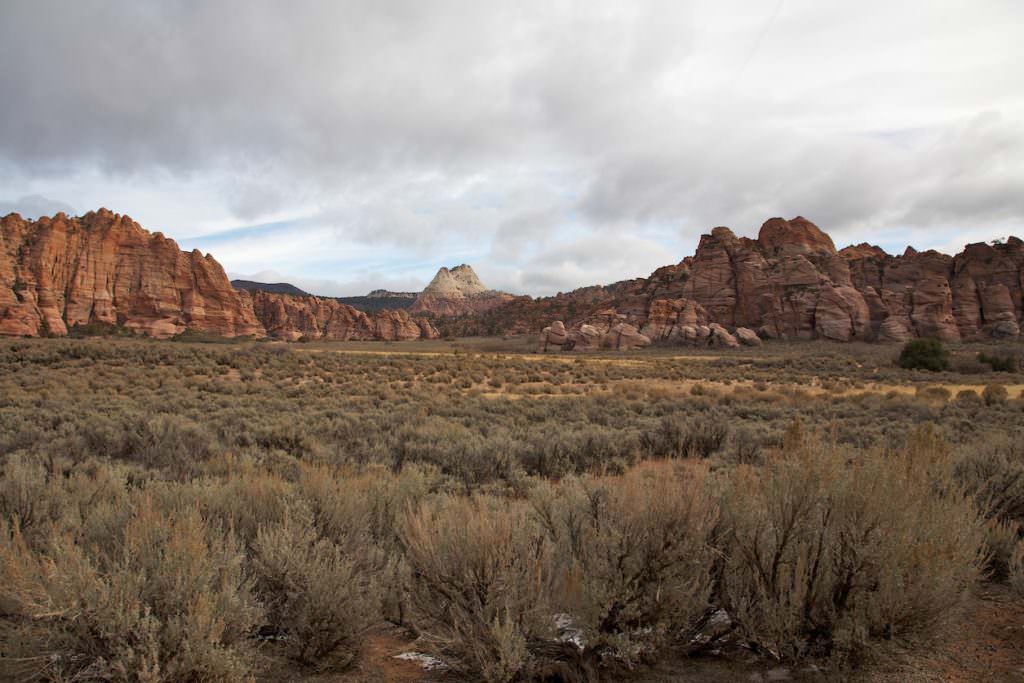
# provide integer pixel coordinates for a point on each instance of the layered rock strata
(103, 268)
(59, 272)
(792, 283)
(308, 317)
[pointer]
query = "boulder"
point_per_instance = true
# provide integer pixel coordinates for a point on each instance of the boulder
(553, 336)
(625, 337)
(1007, 328)
(665, 319)
(747, 336)
(841, 314)
(591, 337)
(721, 337)
(588, 338)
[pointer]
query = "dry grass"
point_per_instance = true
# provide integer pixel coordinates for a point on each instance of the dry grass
(189, 512)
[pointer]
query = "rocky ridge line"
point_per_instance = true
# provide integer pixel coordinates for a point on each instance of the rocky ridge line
(792, 283)
(60, 272)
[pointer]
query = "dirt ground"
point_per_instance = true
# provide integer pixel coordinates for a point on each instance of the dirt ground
(985, 645)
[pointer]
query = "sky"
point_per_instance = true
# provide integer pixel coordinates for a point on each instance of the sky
(345, 146)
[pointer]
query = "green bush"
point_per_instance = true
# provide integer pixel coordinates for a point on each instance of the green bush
(924, 354)
(999, 362)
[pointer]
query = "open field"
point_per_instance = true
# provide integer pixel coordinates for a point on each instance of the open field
(214, 511)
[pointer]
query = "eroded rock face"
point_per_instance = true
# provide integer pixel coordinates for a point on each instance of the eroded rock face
(296, 317)
(457, 292)
(553, 337)
(788, 283)
(624, 337)
(103, 267)
(668, 319)
(604, 333)
(988, 289)
(791, 283)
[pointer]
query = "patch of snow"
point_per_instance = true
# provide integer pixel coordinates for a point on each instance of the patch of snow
(426, 661)
(567, 631)
(717, 625)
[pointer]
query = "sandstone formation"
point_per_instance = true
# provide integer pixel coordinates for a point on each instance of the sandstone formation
(56, 273)
(721, 337)
(102, 267)
(609, 333)
(457, 292)
(309, 317)
(792, 283)
(553, 336)
(668, 319)
(624, 337)
(747, 337)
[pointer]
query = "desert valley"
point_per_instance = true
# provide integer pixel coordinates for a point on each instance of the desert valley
(388, 341)
(690, 476)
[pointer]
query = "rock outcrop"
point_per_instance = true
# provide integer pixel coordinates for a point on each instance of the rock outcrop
(607, 329)
(747, 337)
(308, 317)
(554, 336)
(624, 337)
(791, 283)
(59, 272)
(458, 292)
(668, 319)
(607, 333)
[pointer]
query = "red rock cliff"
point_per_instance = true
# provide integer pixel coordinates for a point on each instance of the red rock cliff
(791, 283)
(296, 317)
(59, 272)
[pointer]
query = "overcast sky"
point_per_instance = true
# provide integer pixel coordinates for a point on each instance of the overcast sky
(345, 146)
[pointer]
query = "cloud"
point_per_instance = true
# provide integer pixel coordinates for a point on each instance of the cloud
(411, 135)
(566, 264)
(361, 283)
(34, 206)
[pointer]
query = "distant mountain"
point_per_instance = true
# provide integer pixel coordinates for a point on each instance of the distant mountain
(379, 300)
(388, 294)
(458, 292)
(273, 288)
